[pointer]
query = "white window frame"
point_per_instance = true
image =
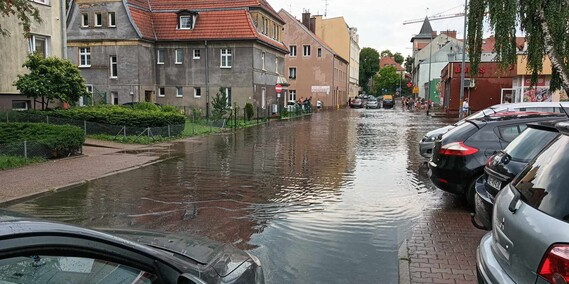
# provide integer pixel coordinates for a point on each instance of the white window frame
(196, 92)
(181, 54)
(290, 73)
(292, 95)
(158, 52)
(179, 92)
(32, 44)
(84, 17)
(197, 54)
(113, 64)
(87, 54)
(277, 65)
(293, 51)
(114, 95)
(112, 17)
(161, 92)
(191, 19)
(263, 60)
(27, 103)
(226, 57)
(98, 20)
(306, 48)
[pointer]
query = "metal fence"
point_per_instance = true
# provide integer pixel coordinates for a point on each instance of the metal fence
(26, 149)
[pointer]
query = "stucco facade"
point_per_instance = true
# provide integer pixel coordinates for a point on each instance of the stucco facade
(322, 74)
(46, 37)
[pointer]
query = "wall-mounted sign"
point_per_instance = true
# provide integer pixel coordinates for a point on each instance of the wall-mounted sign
(321, 89)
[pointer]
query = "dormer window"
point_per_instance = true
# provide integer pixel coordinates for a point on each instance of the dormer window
(186, 19)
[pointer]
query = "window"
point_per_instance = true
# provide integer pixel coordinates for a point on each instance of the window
(84, 20)
(263, 60)
(179, 56)
(84, 57)
(275, 31)
(161, 92)
(186, 22)
(226, 58)
(277, 65)
(20, 105)
(160, 56)
(98, 20)
(114, 67)
(510, 132)
(227, 92)
(292, 95)
(319, 52)
(89, 89)
(197, 92)
(292, 72)
(39, 45)
(179, 92)
(196, 54)
(87, 99)
(293, 51)
(306, 50)
(114, 98)
(112, 20)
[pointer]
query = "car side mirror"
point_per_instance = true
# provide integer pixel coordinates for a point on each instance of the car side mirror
(187, 278)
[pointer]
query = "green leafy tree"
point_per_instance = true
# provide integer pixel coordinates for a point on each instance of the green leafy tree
(543, 22)
(369, 65)
(387, 79)
(219, 104)
(386, 52)
(51, 78)
(398, 57)
(409, 61)
(23, 10)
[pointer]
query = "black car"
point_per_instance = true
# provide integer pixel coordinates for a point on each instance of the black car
(37, 251)
(505, 165)
(460, 155)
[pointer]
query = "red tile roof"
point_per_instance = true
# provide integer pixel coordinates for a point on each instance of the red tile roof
(160, 22)
(389, 61)
(488, 44)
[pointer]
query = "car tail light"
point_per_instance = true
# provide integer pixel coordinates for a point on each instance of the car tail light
(457, 149)
(555, 266)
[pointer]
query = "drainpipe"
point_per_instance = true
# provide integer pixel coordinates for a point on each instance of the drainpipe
(63, 20)
(333, 80)
(206, 80)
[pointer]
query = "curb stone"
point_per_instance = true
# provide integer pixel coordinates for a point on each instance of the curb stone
(404, 263)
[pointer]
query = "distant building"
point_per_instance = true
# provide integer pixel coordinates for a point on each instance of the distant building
(314, 68)
(47, 39)
(178, 53)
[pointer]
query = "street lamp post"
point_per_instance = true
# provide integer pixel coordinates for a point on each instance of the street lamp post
(428, 95)
(462, 64)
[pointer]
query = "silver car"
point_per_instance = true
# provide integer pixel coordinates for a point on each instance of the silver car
(529, 241)
(428, 141)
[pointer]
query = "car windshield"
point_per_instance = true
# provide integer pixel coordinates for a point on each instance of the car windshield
(526, 146)
(543, 183)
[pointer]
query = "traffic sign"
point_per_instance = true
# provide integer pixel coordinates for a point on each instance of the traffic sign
(415, 89)
(278, 88)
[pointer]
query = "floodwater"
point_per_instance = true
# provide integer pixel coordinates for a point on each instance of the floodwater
(323, 199)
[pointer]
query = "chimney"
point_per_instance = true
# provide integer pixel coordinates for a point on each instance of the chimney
(450, 33)
(312, 27)
(306, 19)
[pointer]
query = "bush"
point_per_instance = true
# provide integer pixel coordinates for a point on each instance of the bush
(249, 111)
(170, 109)
(146, 106)
(59, 140)
(10, 162)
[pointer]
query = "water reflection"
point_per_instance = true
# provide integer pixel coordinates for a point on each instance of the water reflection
(326, 199)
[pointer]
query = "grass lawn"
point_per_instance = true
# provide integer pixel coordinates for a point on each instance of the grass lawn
(10, 162)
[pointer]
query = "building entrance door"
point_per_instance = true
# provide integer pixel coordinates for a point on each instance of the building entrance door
(148, 96)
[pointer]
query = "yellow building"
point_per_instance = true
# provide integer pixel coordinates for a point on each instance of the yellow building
(522, 89)
(47, 38)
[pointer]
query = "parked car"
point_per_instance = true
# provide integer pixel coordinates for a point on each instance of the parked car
(501, 168)
(356, 103)
(291, 105)
(372, 102)
(460, 155)
(38, 251)
(388, 101)
(529, 241)
(428, 141)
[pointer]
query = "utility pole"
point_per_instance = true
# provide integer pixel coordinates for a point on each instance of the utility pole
(428, 95)
(462, 64)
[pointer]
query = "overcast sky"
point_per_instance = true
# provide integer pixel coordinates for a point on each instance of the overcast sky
(380, 22)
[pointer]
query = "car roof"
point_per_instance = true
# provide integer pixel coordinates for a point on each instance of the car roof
(530, 104)
(549, 125)
(509, 115)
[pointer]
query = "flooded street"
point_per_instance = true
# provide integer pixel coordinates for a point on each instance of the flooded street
(323, 199)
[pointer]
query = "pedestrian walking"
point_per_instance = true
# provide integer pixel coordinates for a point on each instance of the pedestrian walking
(465, 107)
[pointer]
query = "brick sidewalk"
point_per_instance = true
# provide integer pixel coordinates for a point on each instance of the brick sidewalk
(442, 247)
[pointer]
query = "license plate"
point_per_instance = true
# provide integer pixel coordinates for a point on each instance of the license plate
(494, 182)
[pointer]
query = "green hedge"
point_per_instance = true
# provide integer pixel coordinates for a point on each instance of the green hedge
(122, 116)
(52, 140)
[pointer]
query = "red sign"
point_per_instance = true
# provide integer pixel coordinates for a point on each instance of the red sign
(409, 85)
(278, 88)
(458, 69)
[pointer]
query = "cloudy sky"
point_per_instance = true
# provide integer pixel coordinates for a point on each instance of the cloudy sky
(380, 22)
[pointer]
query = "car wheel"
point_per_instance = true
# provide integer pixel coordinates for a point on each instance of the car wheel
(471, 192)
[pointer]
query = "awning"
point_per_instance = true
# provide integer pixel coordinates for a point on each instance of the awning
(281, 80)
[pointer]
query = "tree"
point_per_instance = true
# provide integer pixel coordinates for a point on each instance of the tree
(23, 10)
(219, 104)
(369, 65)
(387, 79)
(51, 78)
(409, 62)
(387, 53)
(398, 57)
(542, 22)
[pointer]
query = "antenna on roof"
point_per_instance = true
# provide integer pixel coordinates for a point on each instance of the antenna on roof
(326, 8)
(564, 111)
